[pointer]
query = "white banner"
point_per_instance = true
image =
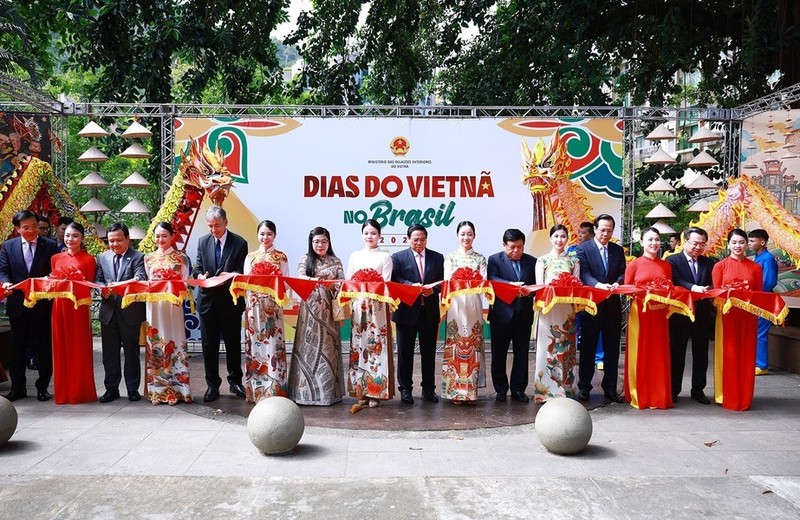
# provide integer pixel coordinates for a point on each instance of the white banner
(335, 173)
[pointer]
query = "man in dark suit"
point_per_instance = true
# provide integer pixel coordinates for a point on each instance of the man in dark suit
(120, 328)
(221, 251)
(27, 256)
(511, 323)
(419, 266)
(691, 270)
(602, 264)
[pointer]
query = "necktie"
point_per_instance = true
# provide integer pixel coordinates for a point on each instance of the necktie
(694, 269)
(28, 253)
(117, 262)
(604, 255)
(515, 263)
(217, 253)
(420, 268)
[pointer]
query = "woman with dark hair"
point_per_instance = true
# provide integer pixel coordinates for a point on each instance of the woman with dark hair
(556, 369)
(648, 379)
(737, 330)
(464, 359)
(370, 375)
(73, 364)
(265, 349)
(166, 360)
(315, 373)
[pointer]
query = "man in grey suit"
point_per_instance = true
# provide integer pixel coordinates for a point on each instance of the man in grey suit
(221, 251)
(27, 256)
(119, 328)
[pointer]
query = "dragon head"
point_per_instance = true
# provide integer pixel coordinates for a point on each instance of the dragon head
(543, 165)
(206, 170)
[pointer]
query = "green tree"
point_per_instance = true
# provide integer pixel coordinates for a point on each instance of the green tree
(15, 47)
(396, 51)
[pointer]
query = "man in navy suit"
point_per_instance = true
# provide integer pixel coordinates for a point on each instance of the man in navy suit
(221, 251)
(602, 264)
(419, 266)
(120, 328)
(511, 323)
(27, 256)
(691, 270)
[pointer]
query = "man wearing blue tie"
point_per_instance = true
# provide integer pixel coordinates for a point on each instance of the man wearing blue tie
(221, 251)
(602, 266)
(511, 323)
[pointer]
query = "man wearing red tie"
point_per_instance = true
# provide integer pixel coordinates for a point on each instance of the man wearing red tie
(27, 256)
(419, 266)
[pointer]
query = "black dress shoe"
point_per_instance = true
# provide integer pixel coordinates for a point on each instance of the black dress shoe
(520, 397)
(134, 395)
(500, 398)
(430, 396)
(212, 394)
(406, 397)
(700, 398)
(109, 396)
(614, 397)
(238, 390)
(43, 395)
(674, 398)
(582, 395)
(13, 395)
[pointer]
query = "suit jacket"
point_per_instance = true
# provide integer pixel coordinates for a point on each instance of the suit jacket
(592, 270)
(500, 268)
(231, 261)
(682, 276)
(131, 268)
(405, 271)
(14, 270)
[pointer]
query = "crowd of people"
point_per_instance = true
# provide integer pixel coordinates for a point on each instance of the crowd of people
(656, 339)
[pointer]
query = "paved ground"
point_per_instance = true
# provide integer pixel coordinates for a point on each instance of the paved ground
(134, 460)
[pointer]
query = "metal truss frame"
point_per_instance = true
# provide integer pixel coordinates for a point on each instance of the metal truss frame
(728, 121)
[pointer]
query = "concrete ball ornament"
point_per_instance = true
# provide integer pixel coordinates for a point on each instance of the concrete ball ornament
(563, 426)
(275, 425)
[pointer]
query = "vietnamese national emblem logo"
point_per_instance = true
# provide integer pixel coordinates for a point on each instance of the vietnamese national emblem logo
(400, 146)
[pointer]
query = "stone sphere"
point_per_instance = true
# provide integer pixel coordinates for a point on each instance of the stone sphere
(563, 426)
(8, 420)
(275, 425)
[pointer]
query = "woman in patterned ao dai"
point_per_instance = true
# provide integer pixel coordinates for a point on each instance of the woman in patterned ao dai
(556, 333)
(370, 376)
(265, 350)
(315, 373)
(464, 360)
(166, 360)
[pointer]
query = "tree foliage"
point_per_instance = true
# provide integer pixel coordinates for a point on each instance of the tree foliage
(15, 47)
